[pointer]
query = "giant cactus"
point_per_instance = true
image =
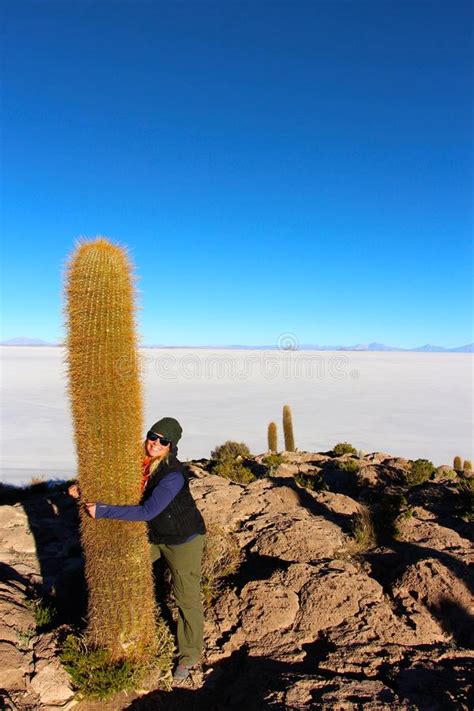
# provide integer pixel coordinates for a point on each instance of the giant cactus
(105, 393)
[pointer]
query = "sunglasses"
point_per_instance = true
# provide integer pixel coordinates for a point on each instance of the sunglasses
(153, 437)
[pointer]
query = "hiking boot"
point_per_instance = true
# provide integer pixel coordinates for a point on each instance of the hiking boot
(182, 671)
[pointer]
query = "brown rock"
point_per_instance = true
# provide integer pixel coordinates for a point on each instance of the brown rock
(436, 680)
(377, 457)
(287, 469)
(338, 504)
(397, 463)
(14, 667)
(309, 468)
(197, 471)
(336, 591)
(343, 695)
(424, 530)
(16, 533)
(45, 646)
(300, 538)
(433, 595)
(370, 474)
(52, 684)
(299, 457)
(215, 497)
(267, 613)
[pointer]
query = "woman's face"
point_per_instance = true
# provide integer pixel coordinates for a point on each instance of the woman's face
(155, 449)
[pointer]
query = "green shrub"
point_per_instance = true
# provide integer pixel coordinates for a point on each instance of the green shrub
(96, 676)
(349, 465)
(450, 474)
(231, 450)
(44, 614)
(92, 672)
(272, 462)
(227, 462)
(23, 638)
(314, 482)
(386, 512)
(233, 470)
(421, 470)
(344, 448)
(465, 502)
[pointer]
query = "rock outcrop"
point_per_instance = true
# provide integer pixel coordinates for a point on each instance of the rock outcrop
(31, 676)
(309, 620)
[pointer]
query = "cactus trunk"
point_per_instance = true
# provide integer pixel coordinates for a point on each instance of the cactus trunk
(272, 437)
(105, 393)
(288, 429)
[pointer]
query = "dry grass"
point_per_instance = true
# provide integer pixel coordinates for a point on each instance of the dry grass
(222, 557)
(363, 530)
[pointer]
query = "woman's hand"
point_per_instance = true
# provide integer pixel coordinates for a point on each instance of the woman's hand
(90, 508)
(74, 491)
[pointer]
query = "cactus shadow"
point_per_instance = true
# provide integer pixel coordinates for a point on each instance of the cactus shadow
(222, 686)
(243, 681)
(53, 519)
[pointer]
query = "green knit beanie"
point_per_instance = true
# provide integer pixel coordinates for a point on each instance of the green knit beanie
(169, 428)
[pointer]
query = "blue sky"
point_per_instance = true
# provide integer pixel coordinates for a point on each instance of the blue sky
(273, 167)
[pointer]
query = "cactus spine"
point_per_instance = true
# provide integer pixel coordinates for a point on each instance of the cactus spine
(105, 394)
(457, 464)
(272, 437)
(288, 429)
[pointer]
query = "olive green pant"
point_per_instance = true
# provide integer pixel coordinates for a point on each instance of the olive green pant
(184, 562)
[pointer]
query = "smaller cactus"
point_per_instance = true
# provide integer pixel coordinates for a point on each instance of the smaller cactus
(288, 429)
(272, 437)
(467, 466)
(457, 465)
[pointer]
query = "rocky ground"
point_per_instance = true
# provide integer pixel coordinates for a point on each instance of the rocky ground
(318, 615)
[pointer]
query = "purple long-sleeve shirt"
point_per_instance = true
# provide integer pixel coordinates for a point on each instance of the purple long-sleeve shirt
(163, 493)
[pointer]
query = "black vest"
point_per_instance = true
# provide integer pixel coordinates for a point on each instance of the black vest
(181, 518)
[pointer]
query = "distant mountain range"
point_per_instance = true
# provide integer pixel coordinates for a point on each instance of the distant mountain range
(428, 348)
(27, 342)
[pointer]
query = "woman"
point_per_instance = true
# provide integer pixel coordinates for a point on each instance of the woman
(176, 532)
